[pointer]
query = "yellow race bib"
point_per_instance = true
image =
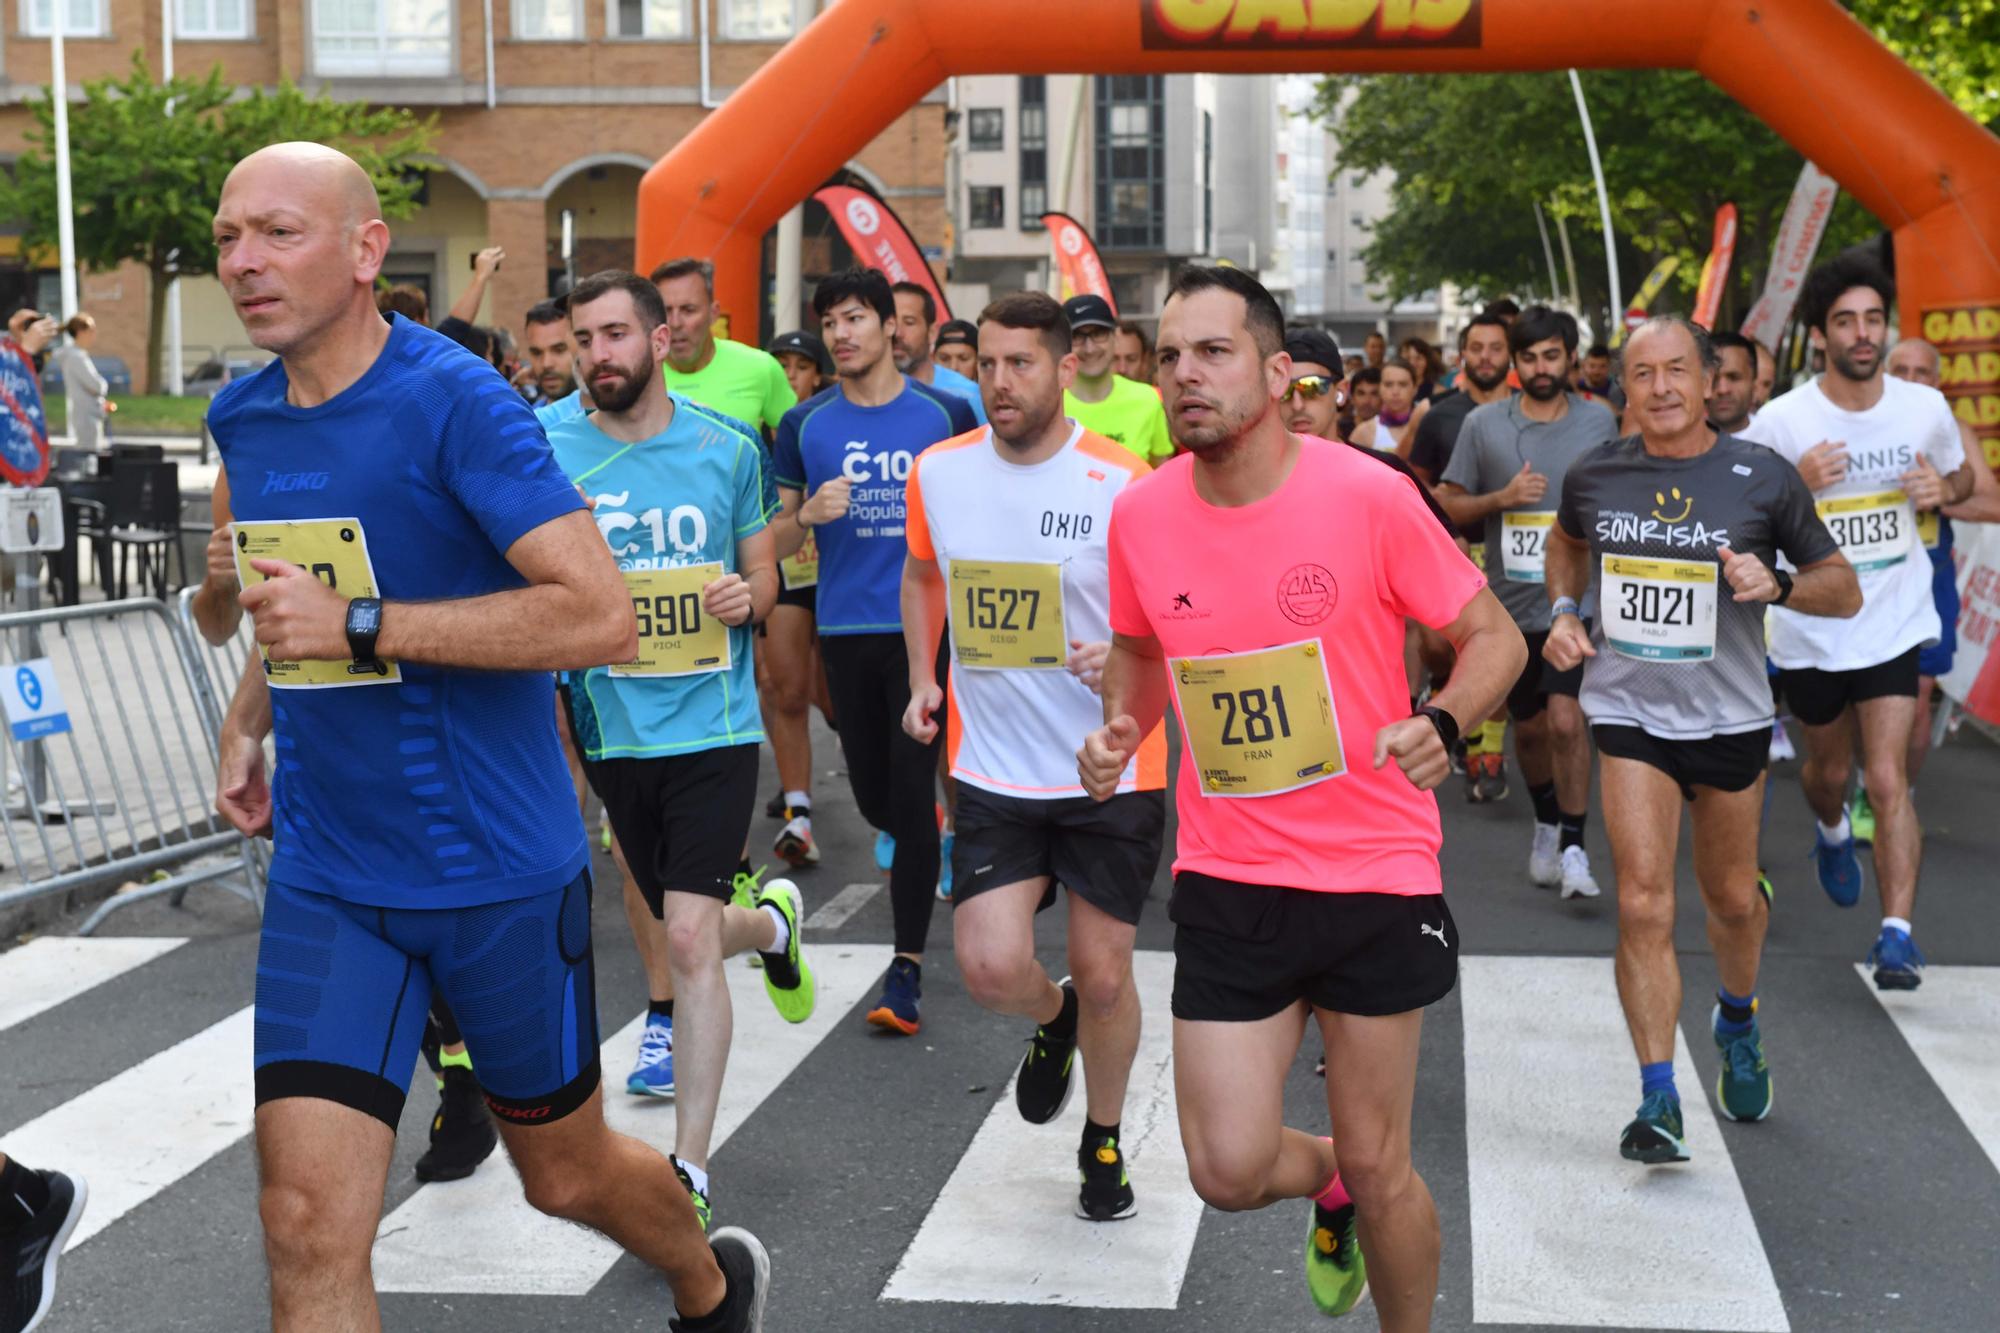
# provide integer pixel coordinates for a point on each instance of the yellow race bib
(1524, 538)
(677, 637)
(1260, 723)
(1873, 530)
(1928, 523)
(334, 549)
(1658, 610)
(1007, 615)
(800, 570)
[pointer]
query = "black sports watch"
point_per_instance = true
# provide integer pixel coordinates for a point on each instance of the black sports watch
(364, 626)
(1784, 578)
(1446, 724)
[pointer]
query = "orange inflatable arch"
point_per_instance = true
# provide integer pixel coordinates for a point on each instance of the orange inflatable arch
(1817, 77)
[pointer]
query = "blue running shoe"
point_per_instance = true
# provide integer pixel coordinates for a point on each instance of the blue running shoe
(1839, 869)
(897, 1009)
(1655, 1136)
(1898, 963)
(944, 868)
(885, 851)
(653, 1076)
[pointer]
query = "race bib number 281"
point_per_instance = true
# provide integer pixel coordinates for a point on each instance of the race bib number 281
(336, 551)
(1259, 723)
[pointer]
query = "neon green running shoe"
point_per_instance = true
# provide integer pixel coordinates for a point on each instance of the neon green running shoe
(699, 1198)
(1335, 1272)
(1767, 888)
(1861, 816)
(788, 978)
(744, 888)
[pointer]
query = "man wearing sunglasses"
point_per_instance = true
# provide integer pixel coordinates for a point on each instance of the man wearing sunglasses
(1313, 400)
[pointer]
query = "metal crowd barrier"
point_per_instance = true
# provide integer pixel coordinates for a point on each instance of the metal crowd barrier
(126, 795)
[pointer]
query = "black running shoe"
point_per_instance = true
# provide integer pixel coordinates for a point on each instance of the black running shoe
(747, 1266)
(775, 807)
(462, 1132)
(28, 1255)
(1106, 1195)
(1043, 1087)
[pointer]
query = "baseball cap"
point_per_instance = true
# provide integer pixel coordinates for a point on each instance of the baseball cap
(803, 344)
(1314, 345)
(958, 331)
(1089, 312)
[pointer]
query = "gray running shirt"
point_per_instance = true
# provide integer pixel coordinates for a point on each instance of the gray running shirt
(1492, 445)
(1665, 517)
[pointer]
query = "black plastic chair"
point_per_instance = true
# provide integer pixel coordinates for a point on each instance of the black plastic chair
(142, 521)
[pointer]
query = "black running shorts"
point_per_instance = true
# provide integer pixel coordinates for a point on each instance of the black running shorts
(1244, 952)
(1103, 852)
(681, 820)
(1538, 680)
(1819, 697)
(1726, 763)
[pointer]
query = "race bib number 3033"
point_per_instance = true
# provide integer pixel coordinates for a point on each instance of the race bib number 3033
(1007, 615)
(1659, 610)
(1873, 530)
(1258, 724)
(677, 637)
(336, 551)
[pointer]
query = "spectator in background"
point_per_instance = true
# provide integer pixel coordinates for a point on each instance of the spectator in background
(1132, 353)
(499, 348)
(550, 372)
(1364, 400)
(457, 325)
(1426, 364)
(407, 301)
(1394, 428)
(807, 363)
(1376, 348)
(1596, 380)
(1351, 364)
(957, 348)
(916, 312)
(21, 327)
(83, 384)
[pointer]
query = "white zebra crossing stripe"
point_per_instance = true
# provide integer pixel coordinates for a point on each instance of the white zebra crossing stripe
(1011, 1203)
(145, 1129)
(51, 970)
(835, 911)
(1564, 1231)
(480, 1235)
(1953, 1026)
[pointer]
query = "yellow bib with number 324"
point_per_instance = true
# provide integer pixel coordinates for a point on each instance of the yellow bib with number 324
(1007, 615)
(1260, 723)
(1524, 538)
(336, 551)
(677, 636)
(800, 570)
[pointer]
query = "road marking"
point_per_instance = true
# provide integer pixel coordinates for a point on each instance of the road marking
(835, 911)
(140, 1132)
(1004, 1230)
(51, 970)
(1950, 1024)
(480, 1235)
(1560, 1222)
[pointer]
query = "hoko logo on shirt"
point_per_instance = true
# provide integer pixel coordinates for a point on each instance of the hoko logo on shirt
(1670, 522)
(682, 529)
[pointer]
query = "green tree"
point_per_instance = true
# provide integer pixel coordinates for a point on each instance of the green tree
(1953, 43)
(145, 179)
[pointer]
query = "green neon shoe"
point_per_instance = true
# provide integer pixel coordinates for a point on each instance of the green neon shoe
(699, 1198)
(1861, 816)
(788, 978)
(1335, 1272)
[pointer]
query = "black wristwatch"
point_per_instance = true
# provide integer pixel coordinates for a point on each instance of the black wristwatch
(1446, 724)
(364, 626)
(1784, 578)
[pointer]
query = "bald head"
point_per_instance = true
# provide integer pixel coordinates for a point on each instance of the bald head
(311, 172)
(1915, 360)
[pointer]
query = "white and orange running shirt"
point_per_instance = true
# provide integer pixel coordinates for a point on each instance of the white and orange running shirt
(1282, 623)
(1023, 554)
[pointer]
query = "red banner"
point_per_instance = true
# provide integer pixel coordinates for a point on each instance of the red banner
(1715, 272)
(1076, 259)
(879, 239)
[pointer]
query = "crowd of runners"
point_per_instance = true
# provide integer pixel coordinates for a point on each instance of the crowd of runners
(1013, 562)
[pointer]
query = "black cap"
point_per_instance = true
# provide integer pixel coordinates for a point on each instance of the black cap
(1089, 312)
(803, 344)
(958, 331)
(1314, 345)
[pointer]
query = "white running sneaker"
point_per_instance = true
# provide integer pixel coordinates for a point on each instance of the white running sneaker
(1545, 867)
(1782, 749)
(1576, 878)
(795, 845)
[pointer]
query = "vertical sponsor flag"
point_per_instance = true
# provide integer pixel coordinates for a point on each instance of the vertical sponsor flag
(1642, 300)
(1715, 270)
(879, 239)
(1974, 678)
(24, 431)
(1798, 240)
(1076, 260)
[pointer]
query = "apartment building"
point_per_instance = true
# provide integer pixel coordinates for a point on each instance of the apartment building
(544, 108)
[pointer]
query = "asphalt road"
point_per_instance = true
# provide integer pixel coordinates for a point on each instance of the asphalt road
(872, 1165)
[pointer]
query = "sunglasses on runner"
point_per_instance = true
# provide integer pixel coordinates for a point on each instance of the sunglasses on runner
(1309, 387)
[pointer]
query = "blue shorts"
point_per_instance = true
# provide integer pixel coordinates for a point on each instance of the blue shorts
(342, 990)
(1936, 659)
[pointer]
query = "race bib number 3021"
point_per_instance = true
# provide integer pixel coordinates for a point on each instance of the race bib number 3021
(677, 636)
(1873, 530)
(1259, 723)
(1007, 615)
(1659, 610)
(1524, 540)
(335, 550)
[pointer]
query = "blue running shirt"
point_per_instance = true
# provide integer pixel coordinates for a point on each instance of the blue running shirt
(944, 377)
(861, 555)
(683, 497)
(443, 788)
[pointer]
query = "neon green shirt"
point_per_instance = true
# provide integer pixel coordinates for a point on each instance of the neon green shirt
(739, 381)
(1130, 414)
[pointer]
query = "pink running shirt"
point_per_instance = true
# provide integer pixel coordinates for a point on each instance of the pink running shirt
(1339, 555)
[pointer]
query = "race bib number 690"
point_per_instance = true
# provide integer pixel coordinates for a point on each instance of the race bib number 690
(677, 637)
